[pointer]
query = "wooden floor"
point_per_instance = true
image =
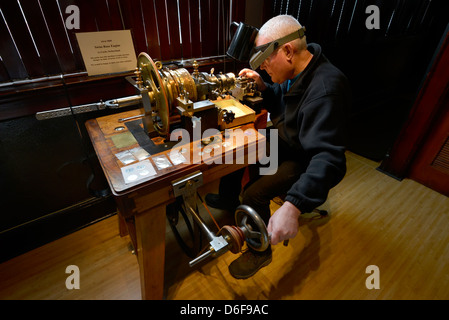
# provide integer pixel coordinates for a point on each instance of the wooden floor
(400, 227)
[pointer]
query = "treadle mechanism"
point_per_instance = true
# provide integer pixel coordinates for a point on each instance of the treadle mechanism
(250, 227)
(187, 188)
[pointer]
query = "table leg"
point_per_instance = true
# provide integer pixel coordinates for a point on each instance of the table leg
(150, 231)
(123, 229)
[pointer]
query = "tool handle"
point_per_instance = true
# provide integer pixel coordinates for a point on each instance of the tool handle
(285, 241)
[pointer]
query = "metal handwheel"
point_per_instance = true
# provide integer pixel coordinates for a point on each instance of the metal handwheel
(249, 227)
(253, 227)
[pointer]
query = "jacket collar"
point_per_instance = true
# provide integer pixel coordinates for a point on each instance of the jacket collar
(298, 86)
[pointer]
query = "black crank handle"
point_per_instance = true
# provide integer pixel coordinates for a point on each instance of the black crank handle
(285, 241)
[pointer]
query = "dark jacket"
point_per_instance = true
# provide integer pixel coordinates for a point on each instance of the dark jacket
(311, 119)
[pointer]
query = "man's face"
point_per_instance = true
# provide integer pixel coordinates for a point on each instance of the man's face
(276, 64)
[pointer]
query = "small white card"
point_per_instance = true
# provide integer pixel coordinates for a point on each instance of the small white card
(138, 171)
(107, 51)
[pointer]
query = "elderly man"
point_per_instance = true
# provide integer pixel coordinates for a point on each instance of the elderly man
(308, 103)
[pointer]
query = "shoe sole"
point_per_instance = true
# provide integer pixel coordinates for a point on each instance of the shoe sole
(266, 263)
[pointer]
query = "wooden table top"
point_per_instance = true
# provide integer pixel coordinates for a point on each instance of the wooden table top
(138, 169)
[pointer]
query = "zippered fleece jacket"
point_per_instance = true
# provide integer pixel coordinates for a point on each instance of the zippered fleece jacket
(311, 122)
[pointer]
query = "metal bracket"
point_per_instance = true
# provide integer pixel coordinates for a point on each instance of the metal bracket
(188, 184)
(187, 187)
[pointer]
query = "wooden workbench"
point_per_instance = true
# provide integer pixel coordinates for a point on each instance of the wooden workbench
(142, 203)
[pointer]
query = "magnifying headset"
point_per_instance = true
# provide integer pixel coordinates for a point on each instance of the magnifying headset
(242, 45)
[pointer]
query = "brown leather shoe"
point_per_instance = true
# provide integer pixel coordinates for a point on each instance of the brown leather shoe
(249, 263)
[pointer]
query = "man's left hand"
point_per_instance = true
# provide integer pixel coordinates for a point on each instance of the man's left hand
(283, 223)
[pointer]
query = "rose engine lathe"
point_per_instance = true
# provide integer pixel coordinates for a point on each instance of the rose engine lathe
(176, 98)
(172, 98)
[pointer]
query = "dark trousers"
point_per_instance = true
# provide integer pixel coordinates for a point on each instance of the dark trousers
(261, 189)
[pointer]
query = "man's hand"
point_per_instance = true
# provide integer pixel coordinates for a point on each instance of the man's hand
(283, 223)
(255, 76)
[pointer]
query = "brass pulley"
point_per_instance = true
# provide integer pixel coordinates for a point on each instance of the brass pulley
(164, 86)
(164, 89)
(151, 80)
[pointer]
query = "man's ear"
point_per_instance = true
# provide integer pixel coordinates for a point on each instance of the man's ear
(288, 51)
